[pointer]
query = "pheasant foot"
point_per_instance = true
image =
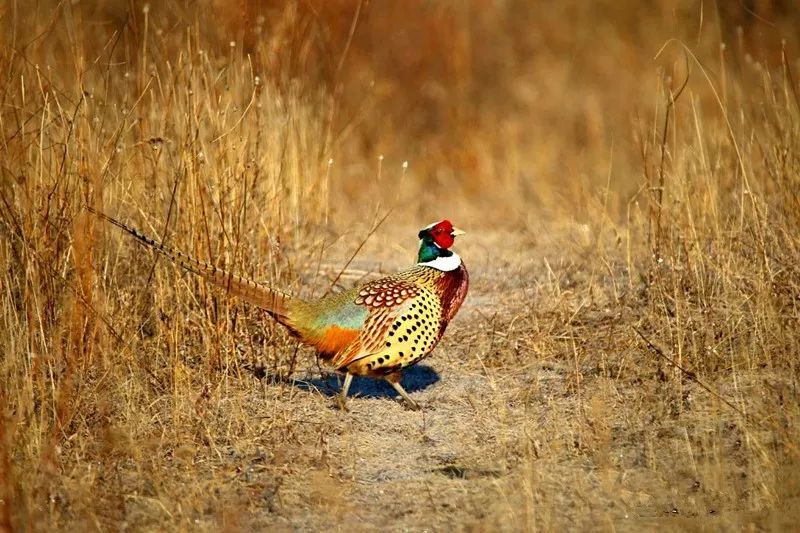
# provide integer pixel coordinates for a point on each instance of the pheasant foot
(411, 404)
(341, 401)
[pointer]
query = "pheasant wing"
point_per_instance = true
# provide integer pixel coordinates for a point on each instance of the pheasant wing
(402, 325)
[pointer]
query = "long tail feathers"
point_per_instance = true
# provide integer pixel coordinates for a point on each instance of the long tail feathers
(272, 300)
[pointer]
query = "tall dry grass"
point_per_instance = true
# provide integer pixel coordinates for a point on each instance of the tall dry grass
(681, 350)
(261, 135)
(194, 148)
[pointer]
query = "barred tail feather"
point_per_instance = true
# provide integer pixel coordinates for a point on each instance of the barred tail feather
(274, 301)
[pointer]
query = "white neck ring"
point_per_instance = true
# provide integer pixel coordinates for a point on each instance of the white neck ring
(445, 264)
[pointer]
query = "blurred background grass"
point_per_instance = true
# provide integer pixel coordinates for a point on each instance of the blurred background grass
(270, 136)
(537, 99)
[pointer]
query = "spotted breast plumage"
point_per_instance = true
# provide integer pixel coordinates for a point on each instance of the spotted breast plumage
(374, 330)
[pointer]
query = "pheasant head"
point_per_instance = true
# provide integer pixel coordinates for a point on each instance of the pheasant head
(434, 246)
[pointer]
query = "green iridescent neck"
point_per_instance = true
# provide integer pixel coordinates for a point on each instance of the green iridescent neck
(428, 251)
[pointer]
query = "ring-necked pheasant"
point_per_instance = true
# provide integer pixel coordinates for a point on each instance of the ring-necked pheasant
(374, 330)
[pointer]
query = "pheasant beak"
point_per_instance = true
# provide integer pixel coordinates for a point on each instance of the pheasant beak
(456, 232)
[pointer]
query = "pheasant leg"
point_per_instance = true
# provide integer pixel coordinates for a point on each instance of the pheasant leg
(342, 401)
(394, 380)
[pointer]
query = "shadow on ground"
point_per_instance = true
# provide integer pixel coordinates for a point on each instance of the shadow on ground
(416, 378)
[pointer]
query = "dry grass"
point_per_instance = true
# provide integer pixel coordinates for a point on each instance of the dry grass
(627, 355)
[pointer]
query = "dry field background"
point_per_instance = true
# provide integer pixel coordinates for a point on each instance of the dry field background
(629, 177)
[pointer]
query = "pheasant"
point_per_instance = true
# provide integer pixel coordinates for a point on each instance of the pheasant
(373, 330)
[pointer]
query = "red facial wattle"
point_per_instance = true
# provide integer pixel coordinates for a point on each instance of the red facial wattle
(442, 234)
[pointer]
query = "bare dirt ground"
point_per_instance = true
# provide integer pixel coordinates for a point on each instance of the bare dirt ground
(542, 410)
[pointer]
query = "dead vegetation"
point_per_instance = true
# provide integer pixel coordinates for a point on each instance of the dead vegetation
(627, 357)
